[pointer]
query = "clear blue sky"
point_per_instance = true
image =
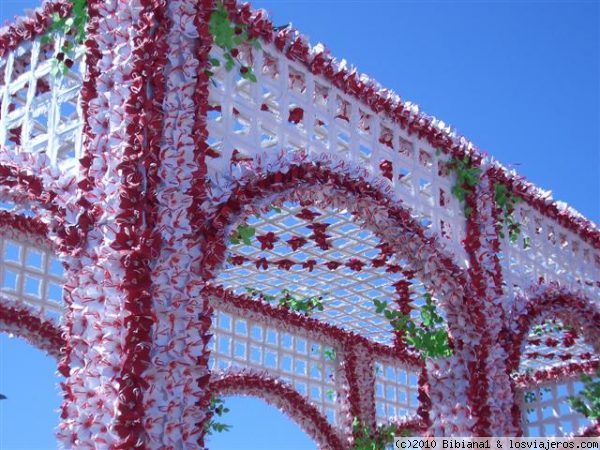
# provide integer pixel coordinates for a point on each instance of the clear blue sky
(519, 78)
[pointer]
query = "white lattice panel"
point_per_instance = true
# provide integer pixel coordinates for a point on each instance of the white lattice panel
(546, 411)
(307, 365)
(40, 112)
(31, 275)
(551, 344)
(348, 295)
(289, 109)
(553, 252)
(396, 391)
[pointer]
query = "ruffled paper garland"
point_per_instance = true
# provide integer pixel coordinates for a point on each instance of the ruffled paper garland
(24, 229)
(175, 405)
(27, 28)
(20, 320)
(108, 277)
(284, 397)
(136, 237)
(487, 372)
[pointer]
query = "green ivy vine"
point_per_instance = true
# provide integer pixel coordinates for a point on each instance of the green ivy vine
(293, 302)
(430, 338)
(229, 37)
(216, 409)
(588, 400)
(467, 179)
(243, 233)
(379, 439)
(73, 28)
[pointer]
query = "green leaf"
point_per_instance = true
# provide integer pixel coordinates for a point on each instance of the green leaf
(245, 231)
(215, 62)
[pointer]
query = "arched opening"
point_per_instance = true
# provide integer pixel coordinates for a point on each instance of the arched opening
(348, 202)
(556, 340)
(316, 230)
(282, 396)
(274, 430)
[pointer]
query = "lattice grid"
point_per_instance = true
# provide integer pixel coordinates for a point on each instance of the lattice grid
(31, 275)
(546, 250)
(551, 343)
(347, 294)
(40, 111)
(396, 390)
(307, 365)
(289, 109)
(546, 411)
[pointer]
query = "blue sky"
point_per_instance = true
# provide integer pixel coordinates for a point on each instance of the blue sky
(519, 78)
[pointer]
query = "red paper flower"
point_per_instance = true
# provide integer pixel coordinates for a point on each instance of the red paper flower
(284, 264)
(307, 214)
(355, 264)
(332, 265)
(238, 260)
(296, 115)
(267, 240)
(296, 242)
(309, 264)
(262, 263)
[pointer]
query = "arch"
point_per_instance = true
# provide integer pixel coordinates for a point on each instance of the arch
(552, 301)
(277, 393)
(549, 301)
(337, 186)
(21, 321)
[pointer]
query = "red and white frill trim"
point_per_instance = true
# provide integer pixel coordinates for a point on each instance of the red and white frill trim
(17, 319)
(178, 374)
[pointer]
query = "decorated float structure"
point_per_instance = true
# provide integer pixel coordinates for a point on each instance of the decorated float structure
(164, 180)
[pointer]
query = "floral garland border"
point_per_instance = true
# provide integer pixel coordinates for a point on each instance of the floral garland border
(139, 174)
(27, 28)
(21, 320)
